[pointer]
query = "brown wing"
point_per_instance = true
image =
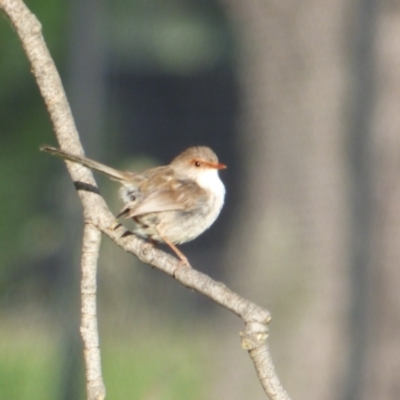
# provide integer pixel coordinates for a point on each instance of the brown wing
(177, 195)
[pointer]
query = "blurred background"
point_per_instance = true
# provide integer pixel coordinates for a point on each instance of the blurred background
(302, 101)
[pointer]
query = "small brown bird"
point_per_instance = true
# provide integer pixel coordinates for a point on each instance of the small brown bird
(172, 204)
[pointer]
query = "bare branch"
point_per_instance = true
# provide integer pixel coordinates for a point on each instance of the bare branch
(254, 340)
(89, 330)
(98, 217)
(50, 85)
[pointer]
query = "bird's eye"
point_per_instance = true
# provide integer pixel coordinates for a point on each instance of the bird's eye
(197, 163)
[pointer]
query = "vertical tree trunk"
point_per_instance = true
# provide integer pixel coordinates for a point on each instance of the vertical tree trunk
(383, 364)
(288, 247)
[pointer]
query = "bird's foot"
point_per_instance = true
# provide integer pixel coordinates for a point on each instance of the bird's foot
(115, 225)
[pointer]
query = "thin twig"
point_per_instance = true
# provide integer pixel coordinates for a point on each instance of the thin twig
(97, 216)
(49, 82)
(89, 329)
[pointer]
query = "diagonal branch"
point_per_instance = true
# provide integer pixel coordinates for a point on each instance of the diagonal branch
(98, 218)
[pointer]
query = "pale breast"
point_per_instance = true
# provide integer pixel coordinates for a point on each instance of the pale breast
(184, 226)
(181, 226)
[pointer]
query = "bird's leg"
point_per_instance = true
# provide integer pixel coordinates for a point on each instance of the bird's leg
(181, 256)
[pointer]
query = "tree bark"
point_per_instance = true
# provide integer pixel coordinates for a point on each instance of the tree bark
(288, 247)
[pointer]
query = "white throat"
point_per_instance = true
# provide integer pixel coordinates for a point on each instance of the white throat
(210, 181)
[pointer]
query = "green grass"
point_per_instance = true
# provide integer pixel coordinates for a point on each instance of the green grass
(28, 369)
(146, 367)
(151, 369)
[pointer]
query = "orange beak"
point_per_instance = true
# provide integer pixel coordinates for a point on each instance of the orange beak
(216, 165)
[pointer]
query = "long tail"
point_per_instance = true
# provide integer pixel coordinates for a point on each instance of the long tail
(87, 162)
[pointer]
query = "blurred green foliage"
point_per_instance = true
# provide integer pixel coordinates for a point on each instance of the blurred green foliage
(29, 367)
(176, 38)
(24, 125)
